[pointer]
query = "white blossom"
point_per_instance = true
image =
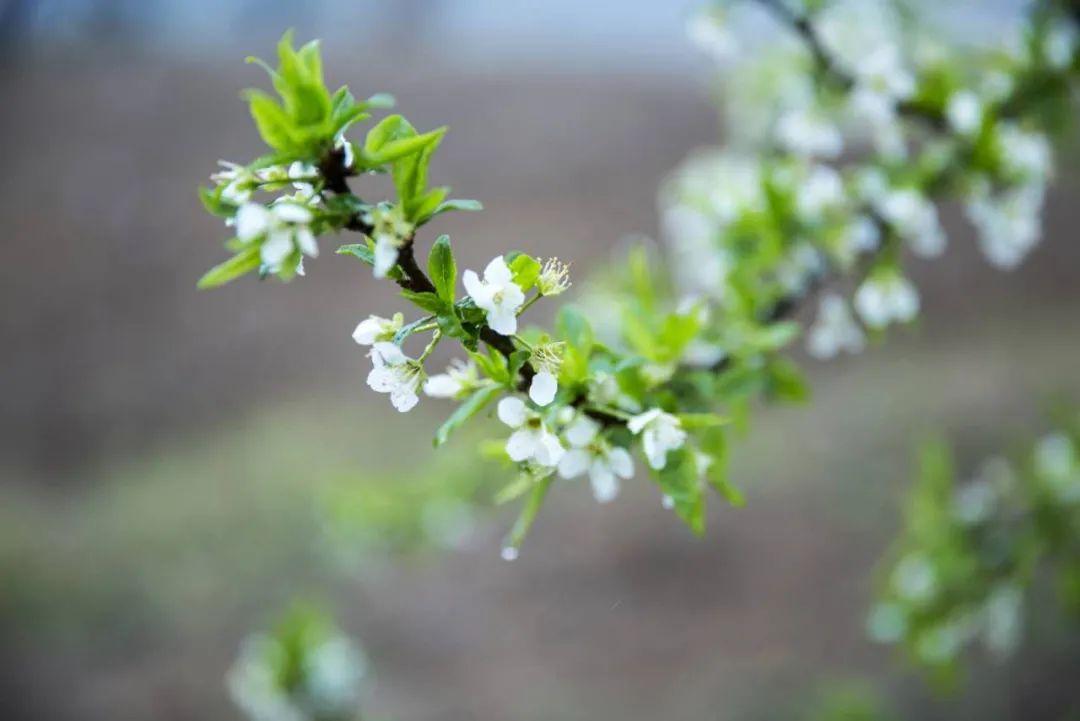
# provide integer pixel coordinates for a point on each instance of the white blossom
(915, 219)
(803, 264)
(460, 377)
(964, 111)
(1024, 154)
(821, 191)
(975, 502)
(497, 294)
(835, 330)
(1060, 45)
(914, 578)
(396, 374)
(1056, 461)
(1008, 224)
(660, 432)
(531, 439)
(709, 34)
(1002, 619)
(374, 328)
(390, 231)
(881, 81)
(806, 133)
(589, 453)
(238, 181)
(301, 173)
(282, 227)
(883, 299)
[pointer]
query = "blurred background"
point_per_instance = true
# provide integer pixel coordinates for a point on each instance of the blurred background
(176, 466)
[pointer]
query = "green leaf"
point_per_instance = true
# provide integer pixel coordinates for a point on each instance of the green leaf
(392, 139)
(457, 204)
(236, 266)
(273, 123)
(443, 269)
(426, 300)
(528, 513)
(410, 174)
(574, 329)
(526, 270)
(679, 480)
(358, 250)
(785, 381)
(493, 365)
(776, 336)
(516, 362)
(694, 421)
(469, 408)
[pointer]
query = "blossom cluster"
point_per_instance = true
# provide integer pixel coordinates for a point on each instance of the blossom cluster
(305, 669)
(969, 553)
(660, 363)
(846, 137)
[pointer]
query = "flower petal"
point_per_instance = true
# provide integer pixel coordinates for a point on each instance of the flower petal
(573, 463)
(521, 445)
(543, 388)
(503, 322)
(252, 220)
(548, 451)
(276, 248)
(498, 272)
(581, 431)
(477, 290)
(621, 462)
(512, 411)
(442, 386)
(605, 486)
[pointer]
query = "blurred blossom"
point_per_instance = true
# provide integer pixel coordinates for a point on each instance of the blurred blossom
(1002, 619)
(835, 330)
(975, 502)
(304, 670)
(884, 299)
(914, 578)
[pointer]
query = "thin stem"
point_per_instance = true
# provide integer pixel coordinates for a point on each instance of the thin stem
(435, 338)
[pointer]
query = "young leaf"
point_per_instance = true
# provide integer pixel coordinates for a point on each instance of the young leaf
(526, 270)
(273, 123)
(443, 269)
(426, 300)
(243, 262)
(528, 514)
(679, 481)
(469, 408)
(457, 204)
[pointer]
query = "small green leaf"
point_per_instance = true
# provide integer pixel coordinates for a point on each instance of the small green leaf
(358, 250)
(426, 300)
(469, 408)
(679, 480)
(528, 513)
(694, 421)
(272, 122)
(493, 365)
(526, 270)
(443, 269)
(785, 382)
(458, 204)
(516, 362)
(236, 266)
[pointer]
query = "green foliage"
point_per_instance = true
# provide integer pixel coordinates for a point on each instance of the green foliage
(969, 552)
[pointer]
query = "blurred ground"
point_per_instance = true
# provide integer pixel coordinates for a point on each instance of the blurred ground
(161, 448)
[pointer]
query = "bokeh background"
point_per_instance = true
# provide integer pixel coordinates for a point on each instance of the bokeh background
(174, 464)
